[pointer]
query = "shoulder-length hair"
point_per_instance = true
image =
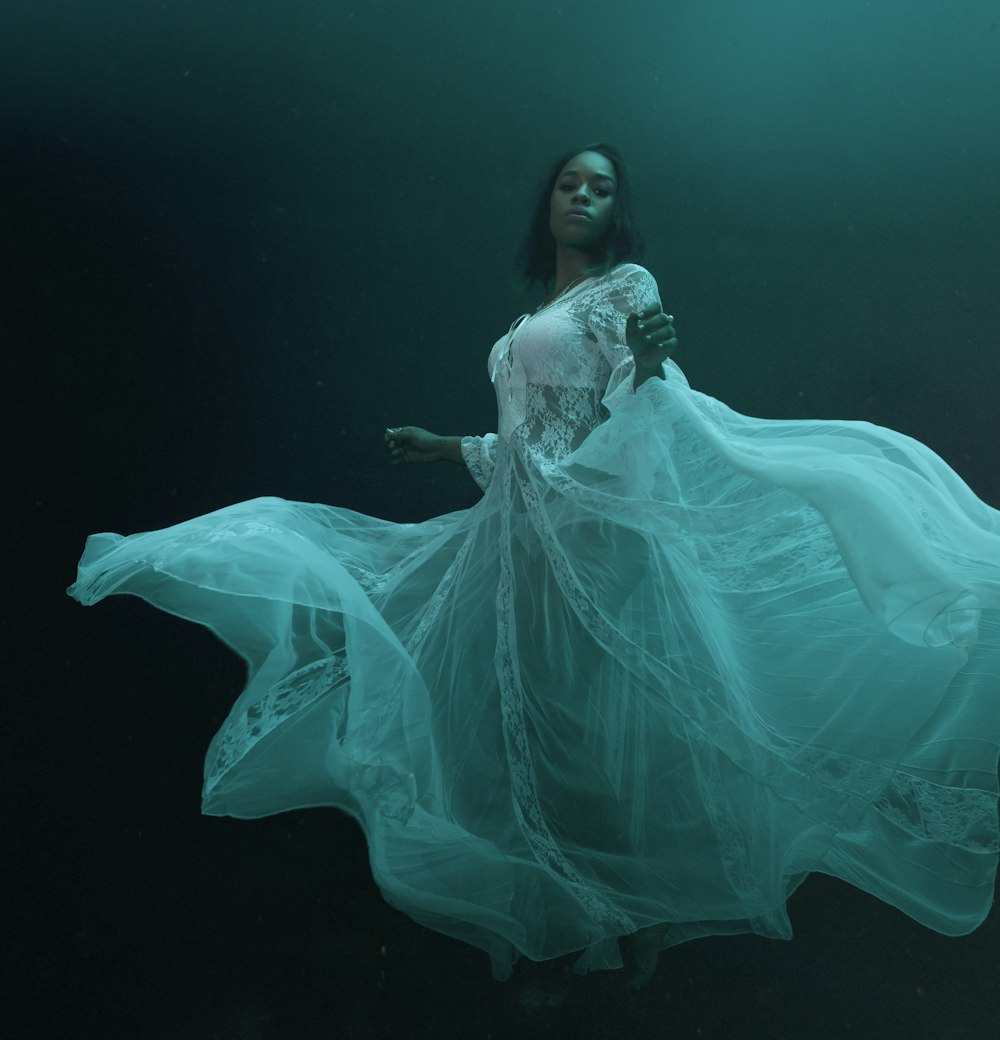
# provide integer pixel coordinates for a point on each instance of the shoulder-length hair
(537, 255)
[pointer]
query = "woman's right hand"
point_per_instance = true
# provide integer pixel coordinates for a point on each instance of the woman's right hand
(411, 444)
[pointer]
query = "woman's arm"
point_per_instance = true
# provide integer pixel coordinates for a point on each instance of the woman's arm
(412, 444)
(630, 320)
(477, 454)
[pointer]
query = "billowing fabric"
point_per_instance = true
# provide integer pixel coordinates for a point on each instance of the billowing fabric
(674, 660)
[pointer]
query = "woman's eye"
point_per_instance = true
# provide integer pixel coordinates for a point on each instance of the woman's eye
(570, 186)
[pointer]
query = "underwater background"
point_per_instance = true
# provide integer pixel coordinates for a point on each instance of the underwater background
(237, 240)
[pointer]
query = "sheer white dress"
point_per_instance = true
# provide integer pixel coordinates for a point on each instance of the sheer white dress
(674, 660)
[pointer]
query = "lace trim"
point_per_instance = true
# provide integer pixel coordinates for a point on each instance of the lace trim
(393, 792)
(961, 817)
(479, 456)
(766, 556)
(372, 583)
(296, 692)
(732, 843)
(414, 642)
(221, 531)
(391, 789)
(526, 803)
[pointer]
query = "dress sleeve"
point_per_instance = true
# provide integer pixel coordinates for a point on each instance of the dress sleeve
(479, 455)
(632, 289)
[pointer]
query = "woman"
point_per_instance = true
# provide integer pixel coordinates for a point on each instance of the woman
(673, 661)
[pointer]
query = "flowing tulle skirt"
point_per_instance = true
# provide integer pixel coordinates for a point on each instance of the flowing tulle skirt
(662, 679)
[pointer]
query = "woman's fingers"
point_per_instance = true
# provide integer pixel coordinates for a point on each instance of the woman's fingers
(400, 434)
(657, 329)
(396, 441)
(655, 323)
(410, 444)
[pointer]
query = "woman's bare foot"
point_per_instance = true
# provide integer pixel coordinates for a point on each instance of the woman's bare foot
(645, 945)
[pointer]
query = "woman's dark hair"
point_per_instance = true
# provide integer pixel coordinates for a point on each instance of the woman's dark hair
(537, 255)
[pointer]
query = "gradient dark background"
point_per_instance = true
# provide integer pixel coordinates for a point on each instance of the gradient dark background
(239, 238)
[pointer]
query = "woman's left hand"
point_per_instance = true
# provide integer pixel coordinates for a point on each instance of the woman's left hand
(651, 337)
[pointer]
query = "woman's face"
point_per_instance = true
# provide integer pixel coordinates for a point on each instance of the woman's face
(582, 202)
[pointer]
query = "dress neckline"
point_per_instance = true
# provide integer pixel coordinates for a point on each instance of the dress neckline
(567, 293)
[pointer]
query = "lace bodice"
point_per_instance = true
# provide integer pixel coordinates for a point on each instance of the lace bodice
(552, 370)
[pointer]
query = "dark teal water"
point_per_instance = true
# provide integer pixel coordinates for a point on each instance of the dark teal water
(239, 239)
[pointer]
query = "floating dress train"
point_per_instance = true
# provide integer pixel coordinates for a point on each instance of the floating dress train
(674, 660)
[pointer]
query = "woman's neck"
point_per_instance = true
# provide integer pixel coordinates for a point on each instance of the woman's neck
(573, 268)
